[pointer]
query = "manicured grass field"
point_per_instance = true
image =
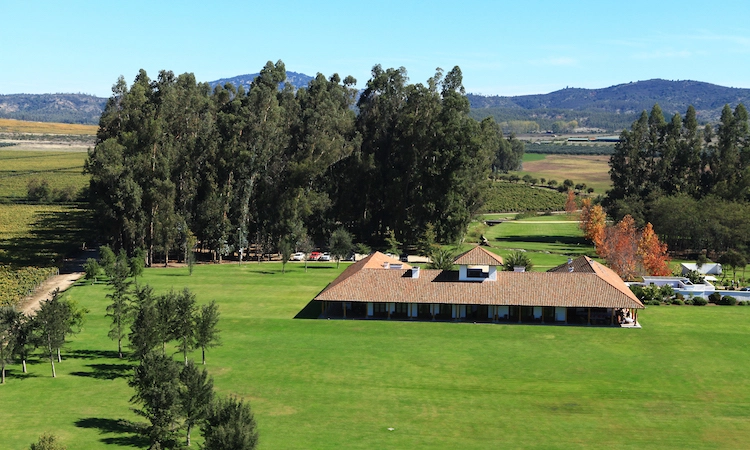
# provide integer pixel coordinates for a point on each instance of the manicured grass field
(680, 382)
(548, 240)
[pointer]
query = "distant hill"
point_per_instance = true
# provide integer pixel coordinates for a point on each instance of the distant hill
(614, 107)
(63, 108)
(297, 80)
(611, 108)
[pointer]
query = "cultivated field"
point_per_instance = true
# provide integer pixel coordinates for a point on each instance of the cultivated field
(23, 126)
(60, 169)
(677, 383)
(592, 170)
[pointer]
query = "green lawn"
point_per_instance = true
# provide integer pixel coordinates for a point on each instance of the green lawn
(548, 240)
(680, 382)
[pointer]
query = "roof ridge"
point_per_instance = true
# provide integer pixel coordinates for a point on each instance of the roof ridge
(606, 274)
(479, 256)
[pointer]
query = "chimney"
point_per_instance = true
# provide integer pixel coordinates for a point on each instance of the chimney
(415, 272)
(519, 269)
(386, 265)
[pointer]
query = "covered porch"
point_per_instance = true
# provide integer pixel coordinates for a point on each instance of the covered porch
(478, 313)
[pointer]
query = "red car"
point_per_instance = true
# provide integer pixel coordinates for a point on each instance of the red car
(314, 256)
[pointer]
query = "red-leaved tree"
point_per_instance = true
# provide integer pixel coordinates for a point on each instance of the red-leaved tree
(653, 253)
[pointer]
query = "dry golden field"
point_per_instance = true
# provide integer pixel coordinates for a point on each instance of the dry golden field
(22, 126)
(592, 170)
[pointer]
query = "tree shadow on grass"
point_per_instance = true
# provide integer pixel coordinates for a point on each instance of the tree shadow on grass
(564, 240)
(92, 354)
(12, 373)
(51, 235)
(114, 426)
(106, 371)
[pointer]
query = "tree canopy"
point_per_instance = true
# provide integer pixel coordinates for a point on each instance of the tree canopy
(176, 160)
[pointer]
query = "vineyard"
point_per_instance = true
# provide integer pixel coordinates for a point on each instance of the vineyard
(510, 197)
(564, 148)
(16, 283)
(61, 170)
(35, 237)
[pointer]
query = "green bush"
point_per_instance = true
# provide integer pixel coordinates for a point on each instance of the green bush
(653, 302)
(699, 301)
(741, 303)
(728, 300)
(677, 301)
(689, 301)
(714, 298)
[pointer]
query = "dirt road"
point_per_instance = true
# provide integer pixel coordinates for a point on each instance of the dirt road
(70, 273)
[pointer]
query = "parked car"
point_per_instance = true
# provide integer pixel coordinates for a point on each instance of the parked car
(299, 256)
(315, 256)
(325, 257)
(404, 257)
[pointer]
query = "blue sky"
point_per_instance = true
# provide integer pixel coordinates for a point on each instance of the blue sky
(503, 48)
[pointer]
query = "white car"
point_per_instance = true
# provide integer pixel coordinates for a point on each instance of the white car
(325, 257)
(299, 256)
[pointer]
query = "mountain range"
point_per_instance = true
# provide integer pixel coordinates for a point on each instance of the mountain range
(610, 108)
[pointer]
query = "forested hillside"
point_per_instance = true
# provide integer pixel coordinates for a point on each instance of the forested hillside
(611, 108)
(176, 160)
(64, 108)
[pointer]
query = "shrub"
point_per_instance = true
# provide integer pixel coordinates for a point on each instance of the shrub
(714, 298)
(38, 191)
(699, 301)
(689, 301)
(728, 300)
(741, 303)
(526, 215)
(677, 301)
(653, 302)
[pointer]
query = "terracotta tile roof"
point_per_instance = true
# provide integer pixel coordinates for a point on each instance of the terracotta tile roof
(373, 261)
(478, 256)
(581, 264)
(597, 289)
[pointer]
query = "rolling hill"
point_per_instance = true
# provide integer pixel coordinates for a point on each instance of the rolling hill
(610, 108)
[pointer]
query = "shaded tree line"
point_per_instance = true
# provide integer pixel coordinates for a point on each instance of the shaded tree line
(175, 159)
(692, 183)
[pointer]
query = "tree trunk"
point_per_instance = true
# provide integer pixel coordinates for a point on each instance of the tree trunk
(52, 361)
(59, 358)
(119, 348)
(189, 427)
(2, 370)
(23, 362)
(203, 352)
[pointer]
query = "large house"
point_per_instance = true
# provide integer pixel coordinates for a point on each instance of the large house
(581, 291)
